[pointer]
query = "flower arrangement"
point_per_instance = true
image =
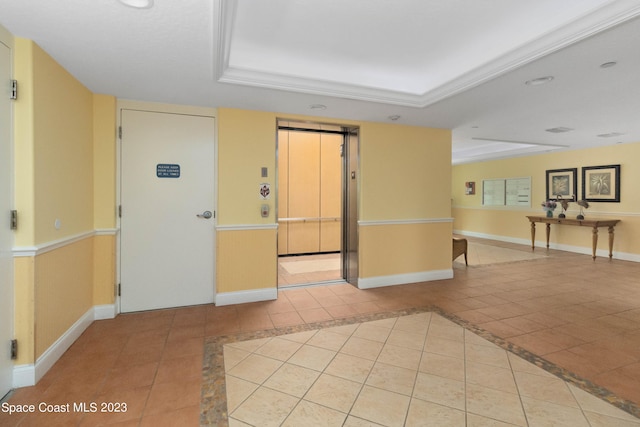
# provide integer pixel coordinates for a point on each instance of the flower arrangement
(549, 205)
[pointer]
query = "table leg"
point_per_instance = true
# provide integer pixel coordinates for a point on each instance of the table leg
(548, 233)
(610, 242)
(595, 241)
(533, 236)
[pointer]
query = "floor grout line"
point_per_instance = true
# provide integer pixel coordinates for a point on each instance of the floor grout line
(214, 415)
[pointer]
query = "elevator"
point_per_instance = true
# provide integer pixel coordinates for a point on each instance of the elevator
(316, 203)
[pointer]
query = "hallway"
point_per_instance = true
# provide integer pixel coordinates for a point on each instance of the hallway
(571, 316)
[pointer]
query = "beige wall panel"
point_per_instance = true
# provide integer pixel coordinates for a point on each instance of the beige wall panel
(283, 191)
(246, 260)
(304, 192)
(304, 237)
(330, 236)
(330, 192)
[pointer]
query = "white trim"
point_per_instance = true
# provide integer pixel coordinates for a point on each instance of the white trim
(542, 244)
(31, 251)
(571, 213)
(28, 375)
(241, 297)
(242, 227)
(106, 231)
(581, 28)
(404, 221)
(403, 279)
(104, 311)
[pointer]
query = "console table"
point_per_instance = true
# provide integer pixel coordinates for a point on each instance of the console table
(593, 223)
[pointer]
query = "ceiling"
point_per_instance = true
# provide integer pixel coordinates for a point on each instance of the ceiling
(457, 64)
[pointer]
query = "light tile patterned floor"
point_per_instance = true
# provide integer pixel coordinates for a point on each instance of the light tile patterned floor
(413, 370)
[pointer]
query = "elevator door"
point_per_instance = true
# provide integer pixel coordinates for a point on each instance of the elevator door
(350, 207)
(324, 220)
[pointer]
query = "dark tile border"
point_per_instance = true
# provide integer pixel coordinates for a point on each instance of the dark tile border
(213, 403)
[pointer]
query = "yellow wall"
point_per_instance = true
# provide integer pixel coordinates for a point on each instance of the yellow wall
(246, 260)
(104, 198)
(63, 147)
(24, 309)
(404, 248)
(24, 142)
(104, 161)
(405, 172)
(510, 223)
(62, 290)
(246, 143)
(64, 155)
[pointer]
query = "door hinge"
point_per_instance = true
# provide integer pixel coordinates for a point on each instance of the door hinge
(119, 289)
(119, 211)
(14, 220)
(14, 90)
(14, 349)
(120, 132)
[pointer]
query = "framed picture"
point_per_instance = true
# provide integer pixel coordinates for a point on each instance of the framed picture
(601, 183)
(470, 188)
(562, 184)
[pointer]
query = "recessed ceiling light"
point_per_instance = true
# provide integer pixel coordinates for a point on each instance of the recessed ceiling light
(539, 81)
(394, 117)
(610, 134)
(559, 129)
(608, 64)
(318, 107)
(138, 4)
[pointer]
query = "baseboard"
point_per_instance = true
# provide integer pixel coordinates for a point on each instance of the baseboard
(241, 297)
(540, 244)
(30, 374)
(403, 279)
(105, 311)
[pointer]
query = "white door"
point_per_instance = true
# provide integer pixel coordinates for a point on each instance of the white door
(167, 236)
(6, 235)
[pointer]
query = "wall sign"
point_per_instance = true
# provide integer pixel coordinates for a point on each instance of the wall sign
(164, 170)
(506, 192)
(265, 190)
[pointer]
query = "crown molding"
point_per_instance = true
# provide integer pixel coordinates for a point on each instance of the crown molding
(583, 27)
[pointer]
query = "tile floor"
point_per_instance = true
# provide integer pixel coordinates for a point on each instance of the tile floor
(413, 370)
(576, 314)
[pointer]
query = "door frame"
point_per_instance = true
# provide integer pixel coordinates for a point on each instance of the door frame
(351, 135)
(153, 107)
(6, 39)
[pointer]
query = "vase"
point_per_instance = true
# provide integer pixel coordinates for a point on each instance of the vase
(549, 213)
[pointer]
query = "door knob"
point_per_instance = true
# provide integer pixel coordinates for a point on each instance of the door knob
(205, 215)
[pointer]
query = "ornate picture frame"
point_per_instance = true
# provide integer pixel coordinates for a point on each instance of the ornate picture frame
(562, 183)
(601, 183)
